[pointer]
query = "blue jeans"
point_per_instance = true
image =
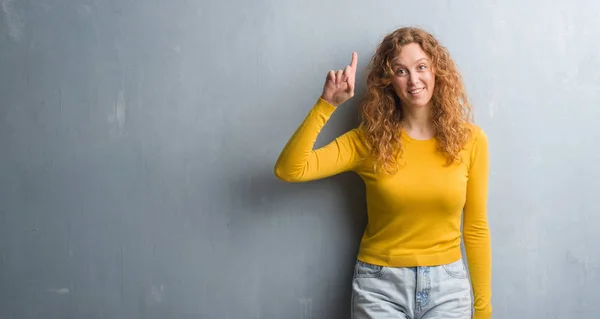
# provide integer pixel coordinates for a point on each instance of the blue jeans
(436, 292)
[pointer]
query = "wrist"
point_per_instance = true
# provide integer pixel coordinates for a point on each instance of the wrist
(329, 101)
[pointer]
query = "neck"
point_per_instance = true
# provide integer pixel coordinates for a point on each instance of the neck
(417, 122)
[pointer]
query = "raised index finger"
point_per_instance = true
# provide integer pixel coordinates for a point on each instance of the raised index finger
(354, 61)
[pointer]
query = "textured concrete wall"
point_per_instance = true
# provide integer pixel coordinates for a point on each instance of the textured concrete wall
(138, 140)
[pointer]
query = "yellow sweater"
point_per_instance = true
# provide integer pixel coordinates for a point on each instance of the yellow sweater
(414, 215)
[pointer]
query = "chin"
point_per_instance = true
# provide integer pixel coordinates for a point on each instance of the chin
(418, 104)
(421, 105)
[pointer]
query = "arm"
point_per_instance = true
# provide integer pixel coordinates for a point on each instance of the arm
(298, 162)
(476, 230)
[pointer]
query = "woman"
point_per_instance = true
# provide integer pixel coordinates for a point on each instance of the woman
(424, 164)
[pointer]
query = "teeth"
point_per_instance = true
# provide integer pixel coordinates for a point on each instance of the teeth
(415, 91)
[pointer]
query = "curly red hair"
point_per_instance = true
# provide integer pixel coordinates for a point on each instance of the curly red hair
(381, 112)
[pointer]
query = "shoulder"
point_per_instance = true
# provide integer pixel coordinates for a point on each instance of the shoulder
(356, 136)
(353, 141)
(477, 144)
(358, 133)
(476, 134)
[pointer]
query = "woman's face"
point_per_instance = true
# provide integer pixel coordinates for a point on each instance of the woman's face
(413, 79)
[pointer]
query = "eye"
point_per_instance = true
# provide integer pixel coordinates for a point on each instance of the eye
(400, 72)
(422, 67)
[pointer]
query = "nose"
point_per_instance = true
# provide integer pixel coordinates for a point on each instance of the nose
(413, 79)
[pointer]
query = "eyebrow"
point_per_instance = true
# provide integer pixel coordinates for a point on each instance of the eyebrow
(400, 64)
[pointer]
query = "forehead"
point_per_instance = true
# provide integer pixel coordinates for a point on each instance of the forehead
(410, 54)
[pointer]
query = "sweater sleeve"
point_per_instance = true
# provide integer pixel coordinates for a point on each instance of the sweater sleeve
(476, 230)
(299, 162)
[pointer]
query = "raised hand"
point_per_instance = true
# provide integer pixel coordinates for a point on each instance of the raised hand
(339, 86)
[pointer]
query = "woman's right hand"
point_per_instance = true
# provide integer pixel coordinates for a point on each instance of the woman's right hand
(339, 86)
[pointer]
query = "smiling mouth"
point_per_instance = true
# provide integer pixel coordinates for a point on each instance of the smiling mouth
(415, 91)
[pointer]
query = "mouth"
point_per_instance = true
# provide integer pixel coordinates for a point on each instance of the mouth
(416, 91)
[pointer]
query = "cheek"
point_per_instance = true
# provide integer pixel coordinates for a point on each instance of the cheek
(430, 79)
(399, 85)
